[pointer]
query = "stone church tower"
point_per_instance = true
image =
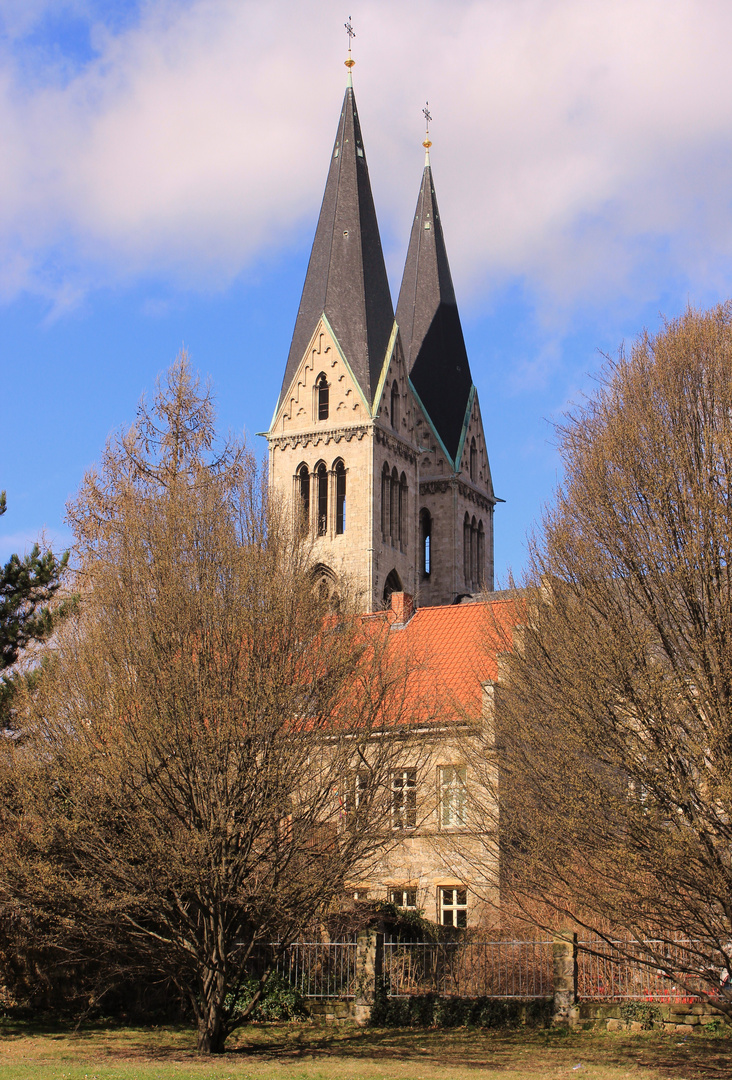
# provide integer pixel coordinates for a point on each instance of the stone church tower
(377, 440)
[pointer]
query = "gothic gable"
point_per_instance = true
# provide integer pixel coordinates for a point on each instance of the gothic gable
(394, 405)
(301, 407)
(473, 465)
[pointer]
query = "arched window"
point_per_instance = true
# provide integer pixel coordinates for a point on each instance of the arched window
(395, 401)
(466, 549)
(324, 583)
(481, 555)
(473, 552)
(321, 479)
(340, 483)
(425, 542)
(403, 511)
(303, 490)
(473, 459)
(385, 502)
(392, 584)
(323, 396)
(396, 517)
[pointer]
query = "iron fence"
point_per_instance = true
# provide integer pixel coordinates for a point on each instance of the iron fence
(615, 971)
(319, 969)
(500, 969)
(495, 969)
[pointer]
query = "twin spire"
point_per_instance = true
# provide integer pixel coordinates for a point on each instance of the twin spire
(347, 282)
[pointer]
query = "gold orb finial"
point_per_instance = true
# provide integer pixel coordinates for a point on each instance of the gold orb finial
(427, 141)
(350, 63)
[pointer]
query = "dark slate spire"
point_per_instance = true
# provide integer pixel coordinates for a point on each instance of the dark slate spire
(429, 323)
(346, 276)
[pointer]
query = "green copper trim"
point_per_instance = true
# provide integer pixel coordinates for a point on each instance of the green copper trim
(385, 368)
(464, 432)
(429, 421)
(342, 355)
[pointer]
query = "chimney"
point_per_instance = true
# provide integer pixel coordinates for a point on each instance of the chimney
(402, 606)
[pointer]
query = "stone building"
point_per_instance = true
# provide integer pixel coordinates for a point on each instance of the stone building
(377, 437)
(377, 442)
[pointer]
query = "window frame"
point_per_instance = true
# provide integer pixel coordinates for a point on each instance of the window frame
(407, 894)
(456, 904)
(452, 796)
(403, 799)
(322, 397)
(303, 492)
(340, 492)
(321, 475)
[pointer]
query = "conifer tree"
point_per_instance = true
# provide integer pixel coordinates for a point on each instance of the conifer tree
(28, 586)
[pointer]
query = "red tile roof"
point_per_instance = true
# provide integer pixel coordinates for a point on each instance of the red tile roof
(451, 651)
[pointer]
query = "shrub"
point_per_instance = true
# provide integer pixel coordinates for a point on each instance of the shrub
(280, 1000)
(429, 1010)
(643, 1012)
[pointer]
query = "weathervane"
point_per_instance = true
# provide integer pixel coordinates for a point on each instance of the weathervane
(351, 34)
(427, 144)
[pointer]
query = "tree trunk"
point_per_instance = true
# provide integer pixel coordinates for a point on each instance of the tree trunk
(212, 1031)
(211, 1037)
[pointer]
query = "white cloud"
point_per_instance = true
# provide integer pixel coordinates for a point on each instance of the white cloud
(21, 543)
(586, 146)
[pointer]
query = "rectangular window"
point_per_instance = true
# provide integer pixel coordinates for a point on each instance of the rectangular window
(354, 792)
(404, 799)
(404, 898)
(453, 906)
(453, 796)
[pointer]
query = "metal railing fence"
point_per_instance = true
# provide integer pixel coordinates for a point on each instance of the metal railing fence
(604, 974)
(317, 969)
(500, 969)
(495, 969)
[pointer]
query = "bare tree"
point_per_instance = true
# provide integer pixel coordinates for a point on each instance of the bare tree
(185, 788)
(614, 718)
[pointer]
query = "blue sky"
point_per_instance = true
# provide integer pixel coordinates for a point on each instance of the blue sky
(162, 169)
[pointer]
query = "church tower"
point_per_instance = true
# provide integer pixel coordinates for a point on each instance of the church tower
(456, 499)
(378, 446)
(341, 442)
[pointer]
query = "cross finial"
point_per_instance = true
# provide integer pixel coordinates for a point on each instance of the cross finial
(427, 115)
(427, 144)
(349, 62)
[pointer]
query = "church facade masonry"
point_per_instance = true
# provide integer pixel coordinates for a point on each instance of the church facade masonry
(377, 439)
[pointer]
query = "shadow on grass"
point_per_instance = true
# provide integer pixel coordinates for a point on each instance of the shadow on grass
(698, 1058)
(533, 1052)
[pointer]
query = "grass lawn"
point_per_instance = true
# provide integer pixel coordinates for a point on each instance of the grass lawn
(302, 1052)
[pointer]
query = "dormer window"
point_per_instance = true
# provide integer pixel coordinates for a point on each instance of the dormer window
(322, 391)
(395, 406)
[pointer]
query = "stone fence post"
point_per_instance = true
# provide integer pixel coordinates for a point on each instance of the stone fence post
(564, 949)
(369, 969)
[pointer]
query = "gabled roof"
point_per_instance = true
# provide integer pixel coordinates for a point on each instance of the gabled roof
(346, 277)
(451, 651)
(429, 323)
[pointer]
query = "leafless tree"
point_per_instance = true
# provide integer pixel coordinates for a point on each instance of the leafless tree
(203, 760)
(614, 715)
